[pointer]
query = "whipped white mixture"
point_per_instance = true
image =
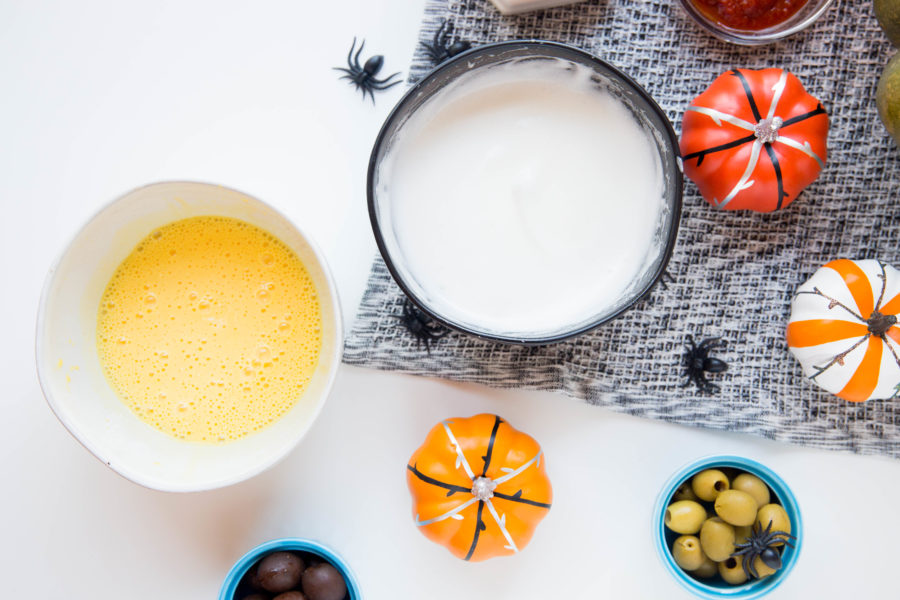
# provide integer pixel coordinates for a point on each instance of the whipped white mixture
(523, 199)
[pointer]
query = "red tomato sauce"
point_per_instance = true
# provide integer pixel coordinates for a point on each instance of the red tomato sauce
(749, 14)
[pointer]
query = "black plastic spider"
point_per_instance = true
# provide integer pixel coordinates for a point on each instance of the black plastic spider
(422, 327)
(761, 544)
(438, 50)
(363, 77)
(665, 279)
(698, 363)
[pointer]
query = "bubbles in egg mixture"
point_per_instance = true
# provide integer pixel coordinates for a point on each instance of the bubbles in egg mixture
(210, 329)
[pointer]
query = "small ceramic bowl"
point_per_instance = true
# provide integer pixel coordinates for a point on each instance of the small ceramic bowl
(607, 78)
(799, 21)
(69, 367)
(240, 568)
(715, 588)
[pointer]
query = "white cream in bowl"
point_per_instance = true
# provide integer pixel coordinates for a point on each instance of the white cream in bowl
(523, 199)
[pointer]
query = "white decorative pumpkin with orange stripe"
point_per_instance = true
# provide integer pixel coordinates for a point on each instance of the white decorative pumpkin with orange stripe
(844, 331)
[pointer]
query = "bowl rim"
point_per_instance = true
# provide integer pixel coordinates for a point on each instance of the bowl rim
(243, 564)
(739, 592)
(746, 37)
(43, 369)
(677, 186)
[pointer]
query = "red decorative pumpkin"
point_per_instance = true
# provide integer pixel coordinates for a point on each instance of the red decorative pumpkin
(754, 140)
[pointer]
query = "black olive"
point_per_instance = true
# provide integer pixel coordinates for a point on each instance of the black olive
(280, 571)
(323, 582)
(293, 595)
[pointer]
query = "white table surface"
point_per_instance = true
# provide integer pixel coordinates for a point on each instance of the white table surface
(99, 97)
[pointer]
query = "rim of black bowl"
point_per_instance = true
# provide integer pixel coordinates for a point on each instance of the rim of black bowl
(576, 53)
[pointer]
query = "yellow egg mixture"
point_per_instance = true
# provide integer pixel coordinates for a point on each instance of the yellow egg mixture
(210, 329)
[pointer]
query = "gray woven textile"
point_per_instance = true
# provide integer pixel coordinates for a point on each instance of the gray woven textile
(734, 272)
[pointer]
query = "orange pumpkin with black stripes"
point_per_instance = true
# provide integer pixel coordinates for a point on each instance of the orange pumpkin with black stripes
(479, 487)
(844, 329)
(754, 140)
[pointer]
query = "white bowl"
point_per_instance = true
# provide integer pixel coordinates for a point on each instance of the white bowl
(69, 367)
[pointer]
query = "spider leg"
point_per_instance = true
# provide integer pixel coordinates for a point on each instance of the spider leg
(753, 570)
(347, 71)
(356, 64)
(440, 36)
(380, 86)
(698, 381)
(691, 346)
(430, 51)
(711, 388)
(386, 79)
(783, 537)
(350, 54)
(706, 386)
(368, 88)
(745, 563)
(710, 343)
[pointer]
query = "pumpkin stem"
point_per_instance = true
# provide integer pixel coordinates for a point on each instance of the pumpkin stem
(483, 488)
(879, 323)
(767, 130)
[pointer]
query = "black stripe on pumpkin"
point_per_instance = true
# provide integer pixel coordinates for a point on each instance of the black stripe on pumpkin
(490, 449)
(778, 176)
(701, 154)
(749, 94)
(517, 497)
(452, 489)
(820, 110)
(479, 527)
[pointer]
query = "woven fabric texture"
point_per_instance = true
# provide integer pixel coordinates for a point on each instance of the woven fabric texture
(733, 273)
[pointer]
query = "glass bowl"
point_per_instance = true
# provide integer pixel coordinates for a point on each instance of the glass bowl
(799, 21)
(240, 568)
(715, 588)
(607, 79)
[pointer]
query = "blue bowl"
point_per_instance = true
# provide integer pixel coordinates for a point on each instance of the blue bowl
(240, 568)
(716, 588)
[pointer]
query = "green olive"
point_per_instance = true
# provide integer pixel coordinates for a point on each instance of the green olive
(684, 492)
(754, 486)
(709, 483)
(742, 533)
(736, 507)
(717, 538)
(706, 570)
(761, 568)
(687, 553)
(732, 572)
(685, 516)
(778, 517)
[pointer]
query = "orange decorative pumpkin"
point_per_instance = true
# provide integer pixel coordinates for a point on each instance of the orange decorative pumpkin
(843, 329)
(754, 140)
(478, 487)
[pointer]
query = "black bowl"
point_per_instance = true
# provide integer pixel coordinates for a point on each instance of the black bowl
(609, 80)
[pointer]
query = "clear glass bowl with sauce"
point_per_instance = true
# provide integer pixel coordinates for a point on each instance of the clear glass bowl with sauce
(800, 20)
